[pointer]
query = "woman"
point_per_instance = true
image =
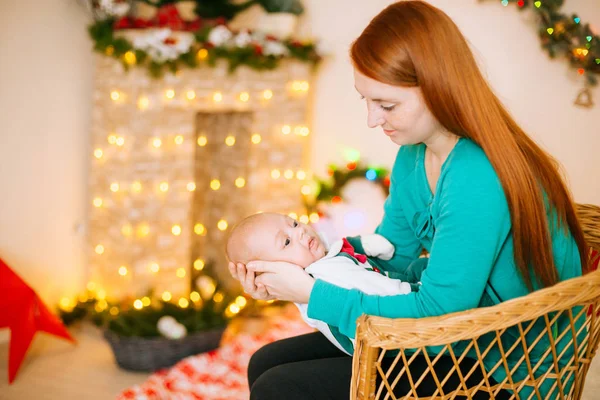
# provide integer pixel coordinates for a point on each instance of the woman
(468, 185)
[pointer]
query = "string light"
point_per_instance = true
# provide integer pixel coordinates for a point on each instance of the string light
(99, 249)
(123, 270)
(143, 102)
(202, 140)
(240, 182)
(215, 184)
(286, 129)
(115, 95)
(305, 190)
(97, 202)
(293, 215)
(114, 311)
(112, 138)
(550, 31)
(170, 94)
(114, 187)
(120, 141)
(304, 219)
(275, 174)
(101, 295)
(234, 308)
(176, 230)
(191, 186)
(129, 57)
(178, 139)
(183, 302)
(217, 97)
(202, 54)
(218, 297)
(180, 272)
(304, 131)
(244, 96)
(166, 296)
(65, 303)
(537, 4)
(301, 175)
(268, 94)
(195, 296)
(230, 140)
(199, 229)
(314, 218)
(256, 138)
(241, 301)
(109, 50)
(164, 186)
(136, 186)
(288, 174)
(190, 95)
(143, 230)
(222, 225)
(156, 142)
(98, 153)
(154, 267)
(138, 305)
(146, 301)
(199, 264)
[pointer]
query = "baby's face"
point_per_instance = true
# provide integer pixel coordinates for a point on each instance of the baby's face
(277, 237)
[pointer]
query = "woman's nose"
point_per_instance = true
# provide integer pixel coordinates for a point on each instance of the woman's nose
(374, 117)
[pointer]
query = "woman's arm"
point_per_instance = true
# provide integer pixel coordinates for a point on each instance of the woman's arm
(472, 226)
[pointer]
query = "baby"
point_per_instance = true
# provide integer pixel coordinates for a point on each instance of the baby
(277, 237)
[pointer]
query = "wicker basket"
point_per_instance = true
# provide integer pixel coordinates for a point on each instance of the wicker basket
(151, 354)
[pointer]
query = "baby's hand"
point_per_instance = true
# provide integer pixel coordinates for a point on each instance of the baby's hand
(377, 246)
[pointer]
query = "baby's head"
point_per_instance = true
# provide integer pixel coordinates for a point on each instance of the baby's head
(274, 237)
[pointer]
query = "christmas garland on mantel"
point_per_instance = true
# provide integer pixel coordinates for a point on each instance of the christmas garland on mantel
(168, 43)
(570, 37)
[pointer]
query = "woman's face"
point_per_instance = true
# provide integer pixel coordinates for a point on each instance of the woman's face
(400, 111)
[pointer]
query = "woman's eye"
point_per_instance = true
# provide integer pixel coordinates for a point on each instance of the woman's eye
(287, 242)
(295, 224)
(387, 108)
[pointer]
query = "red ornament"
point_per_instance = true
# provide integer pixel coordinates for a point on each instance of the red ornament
(168, 17)
(194, 25)
(258, 50)
(24, 313)
(387, 181)
(581, 71)
(336, 199)
(520, 3)
(330, 171)
(271, 38)
(123, 23)
(351, 165)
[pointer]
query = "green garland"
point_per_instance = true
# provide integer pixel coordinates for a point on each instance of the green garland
(124, 319)
(200, 53)
(566, 36)
(331, 189)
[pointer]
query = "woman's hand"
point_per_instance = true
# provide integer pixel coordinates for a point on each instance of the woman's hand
(283, 280)
(247, 279)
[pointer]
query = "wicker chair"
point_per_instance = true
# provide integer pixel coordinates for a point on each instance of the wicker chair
(572, 305)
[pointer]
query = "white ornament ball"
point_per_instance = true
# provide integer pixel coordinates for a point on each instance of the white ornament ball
(170, 328)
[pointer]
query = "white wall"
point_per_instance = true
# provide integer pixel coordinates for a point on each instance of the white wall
(45, 107)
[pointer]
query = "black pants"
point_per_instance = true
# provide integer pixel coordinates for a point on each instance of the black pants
(310, 367)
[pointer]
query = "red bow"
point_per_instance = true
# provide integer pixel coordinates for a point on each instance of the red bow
(347, 248)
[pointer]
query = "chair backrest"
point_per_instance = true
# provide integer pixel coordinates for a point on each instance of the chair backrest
(538, 346)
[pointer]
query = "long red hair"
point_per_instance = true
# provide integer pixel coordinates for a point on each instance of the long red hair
(412, 43)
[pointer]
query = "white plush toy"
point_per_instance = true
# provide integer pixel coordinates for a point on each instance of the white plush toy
(170, 328)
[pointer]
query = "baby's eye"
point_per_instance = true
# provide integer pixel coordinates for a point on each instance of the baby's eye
(287, 242)
(295, 224)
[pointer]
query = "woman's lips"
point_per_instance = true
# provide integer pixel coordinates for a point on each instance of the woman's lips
(389, 132)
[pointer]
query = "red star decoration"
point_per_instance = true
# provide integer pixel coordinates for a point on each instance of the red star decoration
(24, 313)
